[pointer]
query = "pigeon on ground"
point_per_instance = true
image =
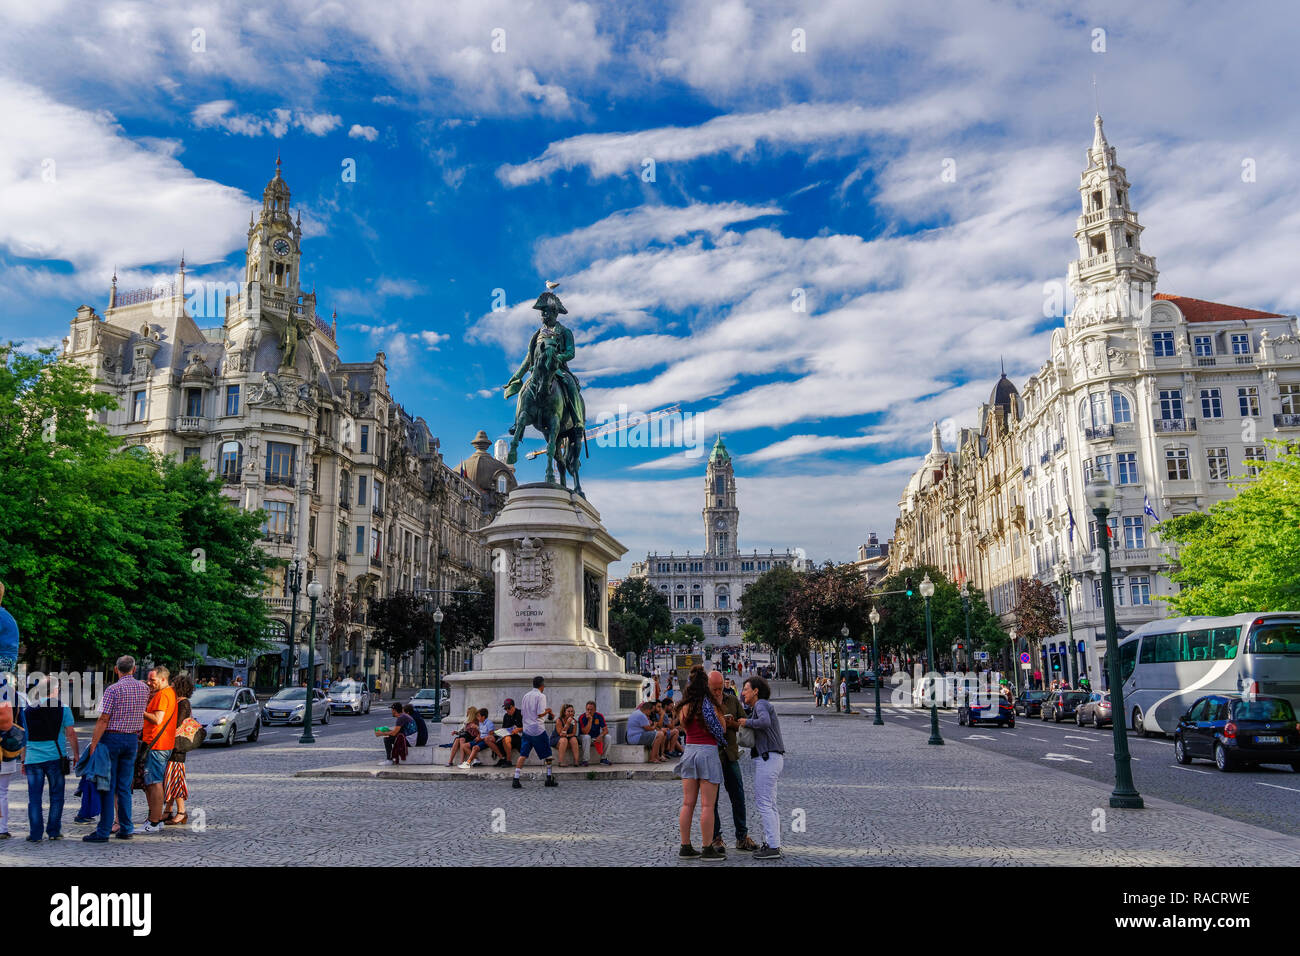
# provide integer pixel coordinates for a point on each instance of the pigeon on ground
(810, 719)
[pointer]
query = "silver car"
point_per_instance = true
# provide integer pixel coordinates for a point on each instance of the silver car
(422, 702)
(289, 706)
(227, 713)
(349, 696)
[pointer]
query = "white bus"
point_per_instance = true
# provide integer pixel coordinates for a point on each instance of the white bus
(1167, 665)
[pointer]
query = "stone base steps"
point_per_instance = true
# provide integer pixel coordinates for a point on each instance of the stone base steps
(532, 775)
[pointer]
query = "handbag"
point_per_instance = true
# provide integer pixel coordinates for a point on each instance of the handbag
(745, 738)
(142, 758)
(190, 735)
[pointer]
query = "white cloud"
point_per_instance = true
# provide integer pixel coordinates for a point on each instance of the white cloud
(222, 114)
(368, 133)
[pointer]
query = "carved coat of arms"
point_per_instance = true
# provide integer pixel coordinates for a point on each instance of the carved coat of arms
(530, 569)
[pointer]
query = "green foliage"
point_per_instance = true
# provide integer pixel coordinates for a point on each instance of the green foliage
(98, 544)
(764, 606)
(826, 600)
(902, 618)
(638, 614)
(402, 622)
(686, 634)
(468, 618)
(1243, 556)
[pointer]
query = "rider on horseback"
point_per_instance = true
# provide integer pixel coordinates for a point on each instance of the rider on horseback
(549, 352)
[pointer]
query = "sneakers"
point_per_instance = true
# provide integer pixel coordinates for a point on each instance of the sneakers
(151, 827)
(122, 835)
(552, 782)
(465, 766)
(516, 785)
(94, 838)
(688, 851)
(34, 839)
(84, 820)
(477, 763)
(503, 762)
(766, 852)
(711, 852)
(746, 845)
(55, 836)
(584, 763)
(604, 761)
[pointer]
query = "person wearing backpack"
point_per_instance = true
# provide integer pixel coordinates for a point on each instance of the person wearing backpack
(175, 789)
(48, 724)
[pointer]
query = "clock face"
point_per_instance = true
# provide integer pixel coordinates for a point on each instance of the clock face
(280, 247)
(721, 524)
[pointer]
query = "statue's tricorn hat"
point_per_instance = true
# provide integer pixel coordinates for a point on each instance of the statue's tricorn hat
(549, 300)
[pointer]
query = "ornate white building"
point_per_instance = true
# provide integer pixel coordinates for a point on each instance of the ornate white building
(351, 484)
(1170, 396)
(705, 588)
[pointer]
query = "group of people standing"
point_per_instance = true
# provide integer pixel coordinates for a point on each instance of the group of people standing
(824, 691)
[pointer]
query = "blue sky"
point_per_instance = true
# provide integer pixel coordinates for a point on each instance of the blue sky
(136, 130)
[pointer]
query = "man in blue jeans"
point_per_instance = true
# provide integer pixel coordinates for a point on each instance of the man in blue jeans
(121, 718)
(48, 724)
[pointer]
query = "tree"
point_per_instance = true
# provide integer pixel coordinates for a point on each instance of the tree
(1243, 555)
(902, 618)
(685, 635)
(764, 613)
(336, 624)
(108, 550)
(402, 622)
(468, 618)
(825, 601)
(1037, 615)
(637, 615)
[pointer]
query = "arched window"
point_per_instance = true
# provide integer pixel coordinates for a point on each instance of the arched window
(502, 484)
(724, 627)
(231, 460)
(697, 622)
(1120, 410)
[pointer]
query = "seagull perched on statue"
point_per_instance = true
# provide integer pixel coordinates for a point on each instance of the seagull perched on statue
(552, 285)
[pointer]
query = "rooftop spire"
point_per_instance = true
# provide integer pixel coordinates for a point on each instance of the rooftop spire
(1098, 134)
(936, 443)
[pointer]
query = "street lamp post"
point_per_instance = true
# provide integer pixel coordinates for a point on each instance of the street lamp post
(437, 660)
(848, 704)
(293, 578)
(874, 618)
(965, 603)
(1100, 495)
(314, 591)
(927, 592)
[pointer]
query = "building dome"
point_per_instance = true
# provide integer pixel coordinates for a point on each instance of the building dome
(1005, 394)
(484, 470)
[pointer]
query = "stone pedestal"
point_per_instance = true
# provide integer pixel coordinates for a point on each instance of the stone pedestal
(550, 556)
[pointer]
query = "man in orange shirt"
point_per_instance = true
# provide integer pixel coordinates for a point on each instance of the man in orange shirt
(159, 735)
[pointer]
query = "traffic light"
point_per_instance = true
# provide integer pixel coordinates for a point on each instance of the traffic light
(907, 583)
(862, 648)
(960, 646)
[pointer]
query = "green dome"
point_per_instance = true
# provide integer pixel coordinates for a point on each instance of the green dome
(719, 452)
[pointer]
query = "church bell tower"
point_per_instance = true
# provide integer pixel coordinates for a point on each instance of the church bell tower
(721, 516)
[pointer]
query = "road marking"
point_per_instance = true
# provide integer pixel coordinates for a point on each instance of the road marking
(1277, 786)
(1130, 756)
(1059, 757)
(980, 737)
(1075, 746)
(1041, 740)
(1191, 769)
(1076, 737)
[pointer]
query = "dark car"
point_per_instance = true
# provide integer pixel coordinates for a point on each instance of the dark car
(1030, 703)
(852, 680)
(1002, 713)
(1233, 731)
(1063, 703)
(1095, 710)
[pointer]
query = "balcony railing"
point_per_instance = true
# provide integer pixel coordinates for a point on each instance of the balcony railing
(1044, 458)
(343, 556)
(1058, 446)
(191, 423)
(377, 560)
(1245, 359)
(344, 503)
(377, 511)
(1286, 420)
(230, 477)
(278, 537)
(1099, 432)
(1206, 360)
(1175, 424)
(274, 479)
(279, 603)
(1029, 470)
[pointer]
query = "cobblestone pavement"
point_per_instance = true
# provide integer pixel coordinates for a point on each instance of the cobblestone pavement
(852, 794)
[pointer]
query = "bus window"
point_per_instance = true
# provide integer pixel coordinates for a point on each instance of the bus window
(1198, 646)
(1223, 642)
(1148, 653)
(1128, 655)
(1167, 648)
(1282, 637)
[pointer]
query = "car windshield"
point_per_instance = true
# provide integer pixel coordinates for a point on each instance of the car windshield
(1076, 698)
(216, 698)
(1263, 710)
(426, 694)
(342, 689)
(1035, 695)
(291, 693)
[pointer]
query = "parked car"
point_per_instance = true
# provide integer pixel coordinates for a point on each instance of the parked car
(422, 702)
(1062, 703)
(227, 714)
(1030, 703)
(1234, 731)
(349, 696)
(1095, 710)
(1002, 713)
(852, 680)
(288, 705)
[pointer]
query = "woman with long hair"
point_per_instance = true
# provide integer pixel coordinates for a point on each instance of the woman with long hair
(700, 767)
(175, 790)
(465, 737)
(566, 734)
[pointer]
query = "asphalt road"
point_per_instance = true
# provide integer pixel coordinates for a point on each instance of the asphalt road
(1267, 796)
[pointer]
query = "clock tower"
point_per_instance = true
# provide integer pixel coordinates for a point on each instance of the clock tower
(721, 516)
(274, 251)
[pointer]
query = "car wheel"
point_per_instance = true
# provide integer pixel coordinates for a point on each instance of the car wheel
(1180, 751)
(1012, 723)
(1223, 760)
(325, 717)
(1078, 719)
(1056, 716)
(256, 732)
(1096, 721)
(1295, 765)
(231, 734)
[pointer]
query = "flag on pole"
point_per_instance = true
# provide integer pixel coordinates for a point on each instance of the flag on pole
(1070, 512)
(1147, 509)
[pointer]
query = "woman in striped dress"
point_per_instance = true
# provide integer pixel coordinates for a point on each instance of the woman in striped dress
(174, 789)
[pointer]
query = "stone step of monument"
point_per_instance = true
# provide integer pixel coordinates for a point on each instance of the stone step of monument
(532, 774)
